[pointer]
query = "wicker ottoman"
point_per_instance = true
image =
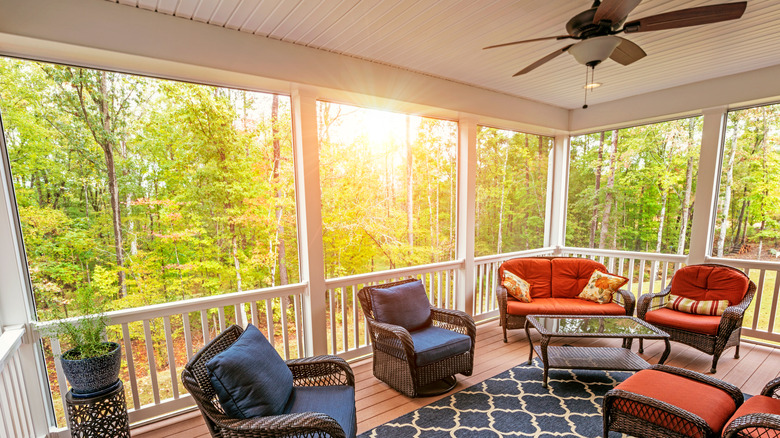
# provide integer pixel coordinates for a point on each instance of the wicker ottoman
(664, 401)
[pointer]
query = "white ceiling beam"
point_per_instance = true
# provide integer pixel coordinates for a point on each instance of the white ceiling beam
(109, 27)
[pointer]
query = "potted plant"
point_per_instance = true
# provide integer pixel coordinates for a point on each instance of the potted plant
(91, 365)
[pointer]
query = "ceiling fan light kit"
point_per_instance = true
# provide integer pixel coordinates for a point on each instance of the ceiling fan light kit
(593, 51)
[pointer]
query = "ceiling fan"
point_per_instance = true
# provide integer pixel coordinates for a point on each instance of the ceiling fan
(596, 29)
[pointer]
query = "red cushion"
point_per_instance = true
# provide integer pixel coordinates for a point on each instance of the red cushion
(711, 404)
(758, 404)
(536, 271)
(570, 275)
(700, 282)
(562, 306)
(705, 324)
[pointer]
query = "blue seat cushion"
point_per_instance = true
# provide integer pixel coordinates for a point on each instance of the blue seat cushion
(433, 344)
(337, 401)
(405, 304)
(250, 378)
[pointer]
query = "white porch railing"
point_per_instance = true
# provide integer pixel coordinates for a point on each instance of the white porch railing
(347, 329)
(158, 341)
(15, 411)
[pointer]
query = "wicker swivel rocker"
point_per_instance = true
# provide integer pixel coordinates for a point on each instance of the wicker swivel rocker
(700, 285)
(321, 400)
(418, 349)
(759, 416)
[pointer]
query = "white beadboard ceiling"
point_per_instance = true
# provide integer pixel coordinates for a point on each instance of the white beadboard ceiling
(444, 38)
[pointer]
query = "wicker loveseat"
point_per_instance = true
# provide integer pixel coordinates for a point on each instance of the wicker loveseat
(555, 283)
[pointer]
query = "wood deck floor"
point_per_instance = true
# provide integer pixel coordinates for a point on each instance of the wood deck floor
(377, 403)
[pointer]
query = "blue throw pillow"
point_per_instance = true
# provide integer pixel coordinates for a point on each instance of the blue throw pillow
(250, 378)
(404, 304)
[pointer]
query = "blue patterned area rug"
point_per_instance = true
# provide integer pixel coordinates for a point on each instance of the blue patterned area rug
(513, 404)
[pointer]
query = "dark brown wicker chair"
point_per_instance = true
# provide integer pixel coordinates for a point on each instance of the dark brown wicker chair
(757, 424)
(312, 371)
(395, 359)
(729, 329)
(642, 416)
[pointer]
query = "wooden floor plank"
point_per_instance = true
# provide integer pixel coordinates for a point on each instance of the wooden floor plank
(377, 403)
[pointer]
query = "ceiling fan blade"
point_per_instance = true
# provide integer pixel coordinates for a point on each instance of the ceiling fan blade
(614, 10)
(542, 61)
(687, 17)
(627, 52)
(558, 37)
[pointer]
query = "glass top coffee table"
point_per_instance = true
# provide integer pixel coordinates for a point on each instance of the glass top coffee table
(591, 326)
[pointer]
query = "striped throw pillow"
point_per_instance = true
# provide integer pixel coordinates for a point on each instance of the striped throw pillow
(687, 305)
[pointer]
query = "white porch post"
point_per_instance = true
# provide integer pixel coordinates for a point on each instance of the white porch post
(16, 303)
(307, 194)
(706, 205)
(467, 194)
(557, 192)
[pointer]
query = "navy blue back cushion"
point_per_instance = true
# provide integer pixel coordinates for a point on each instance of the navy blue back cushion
(250, 378)
(404, 304)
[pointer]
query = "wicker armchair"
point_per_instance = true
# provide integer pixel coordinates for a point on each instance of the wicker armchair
(400, 364)
(749, 422)
(728, 330)
(312, 371)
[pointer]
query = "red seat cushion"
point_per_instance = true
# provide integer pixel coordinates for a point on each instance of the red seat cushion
(758, 404)
(570, 275)
(705, 324)
(535, 271)
(562, 306)
(701, 282)
(711, 404)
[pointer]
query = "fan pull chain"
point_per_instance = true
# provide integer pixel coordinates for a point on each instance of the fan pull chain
(585, 105)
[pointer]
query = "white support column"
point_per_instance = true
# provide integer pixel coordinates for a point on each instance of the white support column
(467, 195)
(16, 301)
(308, 201)
(557, 192)
(706, 205)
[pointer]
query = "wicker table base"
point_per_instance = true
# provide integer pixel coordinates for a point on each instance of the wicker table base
(101, 416)
(591, 358)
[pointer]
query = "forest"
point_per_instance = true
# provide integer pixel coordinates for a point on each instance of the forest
(139, 190)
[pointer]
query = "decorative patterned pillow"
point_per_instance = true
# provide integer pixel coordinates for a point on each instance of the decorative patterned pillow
(601, 287)
(517, 287)
(687, 305)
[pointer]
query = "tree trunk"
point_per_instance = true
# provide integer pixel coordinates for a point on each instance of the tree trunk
(594, 220)
(735, 237)
(727, 196)
(409, 193)
(501, 207)
(281, 256)
(113, 189)
(685, 207)
(661, 219)
(609, 196)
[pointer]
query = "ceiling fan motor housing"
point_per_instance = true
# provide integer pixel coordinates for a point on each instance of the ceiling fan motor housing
(582, 26)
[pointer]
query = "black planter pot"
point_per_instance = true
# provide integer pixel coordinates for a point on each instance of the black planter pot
(94, 374)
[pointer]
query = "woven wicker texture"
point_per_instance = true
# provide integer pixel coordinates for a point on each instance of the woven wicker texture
(512, 322)
(394, 356)
(643, 416)
(311, 371)
(757, 425)
(729, 329)
(98, 417)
